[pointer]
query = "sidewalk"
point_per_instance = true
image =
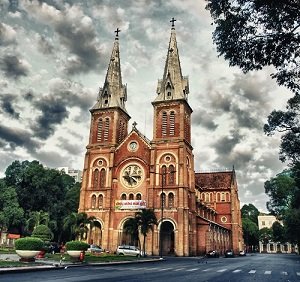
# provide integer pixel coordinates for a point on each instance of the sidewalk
(46, 264)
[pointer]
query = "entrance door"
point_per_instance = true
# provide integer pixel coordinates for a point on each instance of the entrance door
(167, 238)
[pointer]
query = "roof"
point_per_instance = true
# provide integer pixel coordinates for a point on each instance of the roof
(214, 180)
(13, 236)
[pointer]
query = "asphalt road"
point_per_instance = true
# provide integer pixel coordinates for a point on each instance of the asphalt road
(259, 267)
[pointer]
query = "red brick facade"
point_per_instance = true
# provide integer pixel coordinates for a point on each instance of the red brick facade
(124, 172)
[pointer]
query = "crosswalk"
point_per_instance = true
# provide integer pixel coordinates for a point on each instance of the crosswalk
(190, 269)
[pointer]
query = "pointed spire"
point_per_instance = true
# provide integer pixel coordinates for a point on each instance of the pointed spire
(173, 86)
(113, 93)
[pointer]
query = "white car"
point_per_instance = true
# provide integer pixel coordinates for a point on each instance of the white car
(94, 249)
(127, 250)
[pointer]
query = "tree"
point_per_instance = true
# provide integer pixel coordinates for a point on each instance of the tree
(250, 232)
(251, 212)
(265, 235)
(146, 219)
(77, 225)
(288, 123)
(131, 227)
(37, 218)
(43, 232)
(253, 34)
(280, 190)
(11, 214)
(278, 232)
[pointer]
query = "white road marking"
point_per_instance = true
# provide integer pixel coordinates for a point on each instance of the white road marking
(283, 273)
(268, 272)
(237, 270)
(208, 269)
(193, 269)
(252, 271)
(222, 270)
(298, 273)
(178, 269)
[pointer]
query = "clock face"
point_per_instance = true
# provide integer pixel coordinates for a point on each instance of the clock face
(132, 175)
(133, 146)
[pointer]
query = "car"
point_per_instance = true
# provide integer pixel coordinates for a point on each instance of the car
(127, 250)
(95, 249)
(212, 254)
(229, 254)
(242, 253)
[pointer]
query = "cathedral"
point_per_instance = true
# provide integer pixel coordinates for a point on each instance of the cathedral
(125, 172)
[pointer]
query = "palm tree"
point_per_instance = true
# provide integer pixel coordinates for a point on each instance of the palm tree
(37, 218)
(77, 225)
(146, 219)
(131, 227)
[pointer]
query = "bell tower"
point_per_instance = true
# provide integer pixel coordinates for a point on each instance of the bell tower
(172, 156)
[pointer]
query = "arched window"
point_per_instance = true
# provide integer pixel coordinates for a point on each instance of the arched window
(164, 124)
(171, 200)
(106, 129)
(207, 197)
(99, 130)
(93, 203)
(123, 197)
(171, 175)
(100, 201)
(96, 179)
(138, 196)
(172, 123)
(163, 200)
(102, 178)
(163, 175)
(223, 198)
(131, 196)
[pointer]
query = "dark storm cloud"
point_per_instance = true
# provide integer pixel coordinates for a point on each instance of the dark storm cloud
(70, 147)
(226, 144)
(6, 102)
(13, 137)
(28, 96)
(246, 118)
(205, 119)
(53, 112)
(45, 46)
(221, 102)
(13, 67)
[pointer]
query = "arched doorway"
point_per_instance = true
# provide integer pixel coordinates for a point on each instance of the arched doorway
(130, 234)
(96, 234)
(167, 238)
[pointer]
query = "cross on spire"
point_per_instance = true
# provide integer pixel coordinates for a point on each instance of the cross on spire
(117, 32)
(172, 21)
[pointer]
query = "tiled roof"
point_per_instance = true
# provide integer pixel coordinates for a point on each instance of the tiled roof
(214, 180)
(13, 236)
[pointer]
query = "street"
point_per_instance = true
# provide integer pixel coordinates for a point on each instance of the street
(258, 267)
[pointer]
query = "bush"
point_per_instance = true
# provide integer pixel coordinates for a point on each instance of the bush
(43, 232)
(76, 246)
(29, 243)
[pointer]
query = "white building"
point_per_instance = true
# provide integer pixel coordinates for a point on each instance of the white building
(75, 173)
(273, 247)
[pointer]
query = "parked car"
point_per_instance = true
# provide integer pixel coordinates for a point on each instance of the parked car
(212, 254)
(128, 250)
(95, 249)
(229, 254)
(242, 253)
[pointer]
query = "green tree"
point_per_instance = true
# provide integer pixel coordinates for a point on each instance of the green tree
(266, 235)
(287, 123)
(11, 214)
(131, 227)
(278, 232)
(280, 190)
(251, 212)
(146, 220)
(250, 232)
(36, 218)
(77, 225)
(43, 232)
(253, 34)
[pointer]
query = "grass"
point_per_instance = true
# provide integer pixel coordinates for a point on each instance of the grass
(89, 258)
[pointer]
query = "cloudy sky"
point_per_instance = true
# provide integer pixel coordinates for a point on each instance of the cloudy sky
(54, 56)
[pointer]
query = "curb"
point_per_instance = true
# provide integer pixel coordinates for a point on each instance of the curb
(65, 266)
